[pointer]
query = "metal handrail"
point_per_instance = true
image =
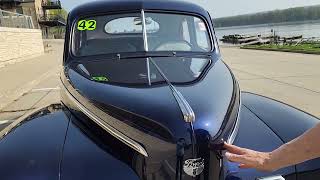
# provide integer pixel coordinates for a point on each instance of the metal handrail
(11, 1)
(15, 20)
(51, 3)
(51, 17)
(3, 11)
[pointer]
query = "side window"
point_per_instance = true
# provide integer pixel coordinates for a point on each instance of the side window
(185, 31)
(202, 34)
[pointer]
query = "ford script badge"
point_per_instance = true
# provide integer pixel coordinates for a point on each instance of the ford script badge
(193, 167)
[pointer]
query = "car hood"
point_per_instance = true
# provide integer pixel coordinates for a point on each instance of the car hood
(150, 115)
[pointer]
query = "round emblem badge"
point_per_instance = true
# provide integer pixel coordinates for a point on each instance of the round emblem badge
(193, 167)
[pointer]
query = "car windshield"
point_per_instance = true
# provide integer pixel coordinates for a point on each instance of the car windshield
(133, 72)
(138, 32)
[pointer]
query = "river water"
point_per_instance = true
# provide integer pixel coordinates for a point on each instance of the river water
(308, 29)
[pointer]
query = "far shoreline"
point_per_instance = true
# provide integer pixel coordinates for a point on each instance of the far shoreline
(268, 24)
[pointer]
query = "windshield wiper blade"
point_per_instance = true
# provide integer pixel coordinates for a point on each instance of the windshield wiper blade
(144, 55)
(161, 54)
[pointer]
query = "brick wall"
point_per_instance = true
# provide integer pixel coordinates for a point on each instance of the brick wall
(19, 43)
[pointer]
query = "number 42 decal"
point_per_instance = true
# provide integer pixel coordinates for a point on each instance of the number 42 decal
(89, 25)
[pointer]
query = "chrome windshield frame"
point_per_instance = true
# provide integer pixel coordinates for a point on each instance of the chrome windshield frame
(144, 31)
(145, 43)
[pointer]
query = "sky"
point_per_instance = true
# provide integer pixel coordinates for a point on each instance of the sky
(224, 8)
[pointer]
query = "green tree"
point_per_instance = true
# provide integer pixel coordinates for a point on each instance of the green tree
(276, 16)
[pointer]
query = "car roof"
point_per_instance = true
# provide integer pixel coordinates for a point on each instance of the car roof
(99, 7)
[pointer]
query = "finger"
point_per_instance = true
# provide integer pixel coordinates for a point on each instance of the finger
(236, 158)
(234, 149)
(245, 166)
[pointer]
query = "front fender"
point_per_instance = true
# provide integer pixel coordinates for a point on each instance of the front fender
(266, 124)
(51, 143)
(31, 147)
(286, 121)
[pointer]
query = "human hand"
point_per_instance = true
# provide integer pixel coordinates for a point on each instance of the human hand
(249, 158)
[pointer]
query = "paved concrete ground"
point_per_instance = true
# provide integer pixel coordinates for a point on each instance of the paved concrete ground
(291, 78)
(288, 77)
(30, 84)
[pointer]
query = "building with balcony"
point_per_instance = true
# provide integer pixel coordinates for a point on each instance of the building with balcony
(10, 2)
(49, 19)
(26, 7)
(51, 4)
(45, 13)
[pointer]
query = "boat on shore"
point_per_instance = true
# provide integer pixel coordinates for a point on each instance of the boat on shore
(238, 39)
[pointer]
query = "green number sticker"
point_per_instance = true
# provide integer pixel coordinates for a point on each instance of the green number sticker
(82, 25)
(89, 25)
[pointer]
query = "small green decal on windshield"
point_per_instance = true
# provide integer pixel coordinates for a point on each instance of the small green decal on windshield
(100, 78)
(89, 25)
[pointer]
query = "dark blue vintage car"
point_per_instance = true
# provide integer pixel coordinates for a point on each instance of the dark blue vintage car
(146, 95)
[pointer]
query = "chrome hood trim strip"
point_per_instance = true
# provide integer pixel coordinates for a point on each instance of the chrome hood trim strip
(185, 108)
(235, 131)
(276, 177)
(114, 132)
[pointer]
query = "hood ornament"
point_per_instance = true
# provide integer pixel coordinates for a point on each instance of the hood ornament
(188, 114)
(193, 167)
(186, 110)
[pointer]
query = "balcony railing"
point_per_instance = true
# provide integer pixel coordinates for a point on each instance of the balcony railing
(10, 1)
(15, 20)
(51, 4)
(52, 20)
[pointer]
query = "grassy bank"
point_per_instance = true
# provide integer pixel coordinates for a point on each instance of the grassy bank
(301, 48)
